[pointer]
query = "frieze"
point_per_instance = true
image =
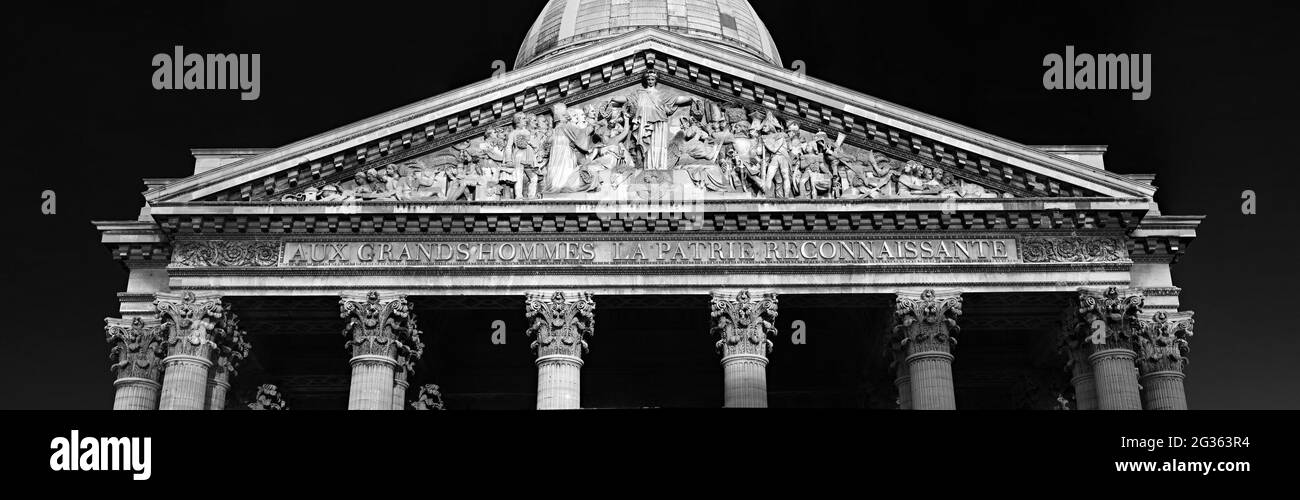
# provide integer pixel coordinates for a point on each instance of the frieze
(1073, 249)
(649, 249)
(222, 253)
(686, 252)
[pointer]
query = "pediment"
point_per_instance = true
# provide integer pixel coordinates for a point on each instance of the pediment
(423, 144)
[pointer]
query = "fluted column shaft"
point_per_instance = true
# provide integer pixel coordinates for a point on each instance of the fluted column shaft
(744, 323)
(135, 394)
(136, 348)
(399, 386)
(1083, 380)
(218, 386)
(1116, 376)
(559, 382)
(185, 380)
(926, 322)
(1164, 390)
(931, 380)
(372, 383)
(904, 386)
(744, 378)
(560, 323)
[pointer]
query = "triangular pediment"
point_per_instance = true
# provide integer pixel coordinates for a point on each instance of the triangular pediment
(435, 133)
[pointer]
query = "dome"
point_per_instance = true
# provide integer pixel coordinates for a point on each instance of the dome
(570, 24)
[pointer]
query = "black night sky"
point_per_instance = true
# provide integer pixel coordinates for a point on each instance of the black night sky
(82, 119)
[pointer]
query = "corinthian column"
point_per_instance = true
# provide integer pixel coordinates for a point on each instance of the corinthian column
(189, 320)
(926, 322)
(1163, 343)
(231, 349)
(1105, 324)
(376, 326)
(1081, 376)
(559, 323)
(744, 324)
(137, 348)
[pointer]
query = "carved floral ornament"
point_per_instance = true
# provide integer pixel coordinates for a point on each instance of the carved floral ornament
(1163, 340)
(227, 253)
(378, 325)
(744, 322)
(928, 318)
(136, 347)
(607, 144)
(1106, 317)
(560, 322)
(189, 318)
(1072, 249)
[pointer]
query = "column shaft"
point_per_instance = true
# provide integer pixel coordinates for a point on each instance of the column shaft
(372, 383)
(185, 382)
(931, 381)
(135, 394)
(904, 385)
(399, 388)
(218, 386)
(559, 382)
(1164, 391)
(744, 379)
(1085, 391)
(1116, 378)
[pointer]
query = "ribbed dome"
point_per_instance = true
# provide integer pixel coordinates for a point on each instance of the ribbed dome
(569, 24)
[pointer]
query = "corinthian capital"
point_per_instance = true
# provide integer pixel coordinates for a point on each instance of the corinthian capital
(1162, 341)
(377, 324)
(189, 319)
(1104, 318)
(927, 320)
(560, 322)
(410, 348)
(136, 347)
(744, 322)
(230, 341)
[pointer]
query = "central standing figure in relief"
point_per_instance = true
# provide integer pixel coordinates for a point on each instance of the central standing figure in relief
(651, 109)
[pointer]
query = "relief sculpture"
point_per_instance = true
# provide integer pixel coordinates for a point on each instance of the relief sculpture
(595, 149)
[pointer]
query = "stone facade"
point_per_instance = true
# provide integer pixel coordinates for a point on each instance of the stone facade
(684, 166)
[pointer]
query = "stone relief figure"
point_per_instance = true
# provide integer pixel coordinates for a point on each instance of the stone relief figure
(598, 146)
(522, 158)
(651, 111)
(570, 146)
(268, 397)
(611, 162)
(429, 398)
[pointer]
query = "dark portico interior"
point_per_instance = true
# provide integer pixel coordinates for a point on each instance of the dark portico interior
(656, 351)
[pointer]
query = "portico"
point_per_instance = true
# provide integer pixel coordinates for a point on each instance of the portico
(761, 241)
